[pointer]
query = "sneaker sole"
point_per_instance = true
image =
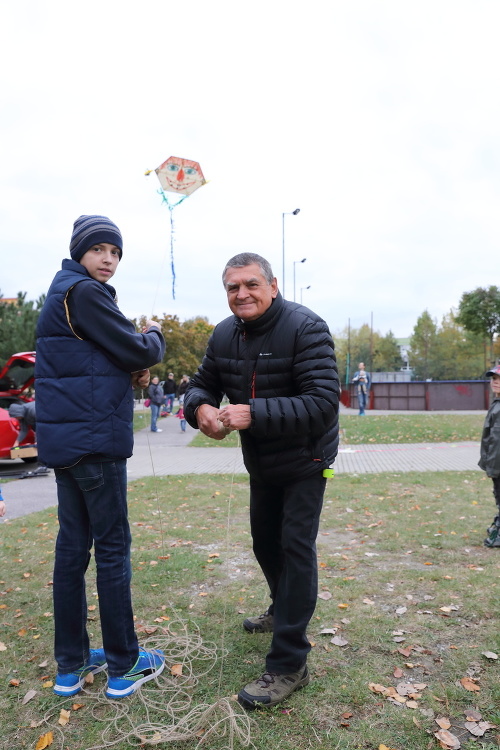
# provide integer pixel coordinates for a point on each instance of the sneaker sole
(117, 694)
(251, 704)
(252, 627)
(63, 691)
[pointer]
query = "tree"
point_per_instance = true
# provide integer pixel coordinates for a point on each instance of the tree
(18, 325)
(186, 344)
(379, 353)
(479, 313)
(423, 347)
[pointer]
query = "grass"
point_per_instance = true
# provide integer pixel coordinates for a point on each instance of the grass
(411, 428)
(391, 428)
(397, 553)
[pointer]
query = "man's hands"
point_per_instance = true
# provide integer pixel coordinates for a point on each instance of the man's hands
(217, 423)
(140, 379)
(236, 417)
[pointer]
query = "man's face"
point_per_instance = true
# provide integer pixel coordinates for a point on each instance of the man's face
(249, 295)
(101, 261)
(361, 365)
(495, 384)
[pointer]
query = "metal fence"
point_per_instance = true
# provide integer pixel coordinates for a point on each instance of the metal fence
(436, 395)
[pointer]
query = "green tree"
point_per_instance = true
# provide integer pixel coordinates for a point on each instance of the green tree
(423, 347)
(186, 344)
(479, 313)
(18, 325)
(386, 355)
(355, 345)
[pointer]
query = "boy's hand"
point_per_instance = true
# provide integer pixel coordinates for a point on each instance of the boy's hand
(151, 324)
(140, 379)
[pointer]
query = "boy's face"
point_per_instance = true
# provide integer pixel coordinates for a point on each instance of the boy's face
(495, 384)
(101, 261)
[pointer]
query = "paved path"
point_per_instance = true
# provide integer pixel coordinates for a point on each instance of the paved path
(166, 453)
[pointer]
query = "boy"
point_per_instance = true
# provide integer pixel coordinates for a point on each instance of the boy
(490, 453)
(2, 504)
(89, 356)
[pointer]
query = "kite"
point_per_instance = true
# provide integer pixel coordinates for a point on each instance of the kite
(181, 176)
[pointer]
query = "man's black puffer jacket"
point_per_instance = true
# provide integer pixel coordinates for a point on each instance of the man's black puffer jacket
(283, 365)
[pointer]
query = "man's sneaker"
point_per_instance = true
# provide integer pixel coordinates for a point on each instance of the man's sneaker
(493, 538)
(272, 688)
(261, 624)
(148, 666)
(71, 684)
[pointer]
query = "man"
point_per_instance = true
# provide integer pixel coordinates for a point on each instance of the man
(25, 413)
(362, 378)
(169, 389)
(275, 361)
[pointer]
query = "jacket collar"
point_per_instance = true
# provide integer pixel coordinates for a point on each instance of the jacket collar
(265, 321)
(69, 264)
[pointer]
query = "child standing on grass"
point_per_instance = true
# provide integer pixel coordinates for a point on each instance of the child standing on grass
(88, 359)
(490, 453)
(2, 504)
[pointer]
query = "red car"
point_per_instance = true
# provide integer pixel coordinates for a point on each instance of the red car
(16, 378)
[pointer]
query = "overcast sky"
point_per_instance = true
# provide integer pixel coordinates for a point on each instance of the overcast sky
(379, 119)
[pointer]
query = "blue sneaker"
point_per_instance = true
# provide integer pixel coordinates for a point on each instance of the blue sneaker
(72, 683)
(149, 665)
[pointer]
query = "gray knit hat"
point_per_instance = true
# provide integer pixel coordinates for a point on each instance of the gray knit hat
(91, 230)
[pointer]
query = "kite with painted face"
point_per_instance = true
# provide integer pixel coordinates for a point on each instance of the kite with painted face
(178, 175)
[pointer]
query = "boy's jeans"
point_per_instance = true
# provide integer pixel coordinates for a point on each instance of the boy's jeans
(92, 509)
(155, 413)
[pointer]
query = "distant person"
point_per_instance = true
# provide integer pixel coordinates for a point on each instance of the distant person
(89, 358)
(490, 453)
(157, 399)
(2, 504)
(25, 413)
(169, 389)
(362, 380)
(180, 415)
(181, 390)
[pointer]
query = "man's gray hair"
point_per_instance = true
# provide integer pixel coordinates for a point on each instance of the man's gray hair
(247, 259)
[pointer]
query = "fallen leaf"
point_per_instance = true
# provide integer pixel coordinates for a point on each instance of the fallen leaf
(325, 595)
(346, 715)
(29, 695)
(342, 606)
(411, 704)
(398, 673)
(339, 641)
(176, 669)
(63, 717)
(328, 631)
(77, 706)
(3, 647)
(43, 664)
(447, 739)
(405, 651)
(490, 655)
(14, 682)
(92, 607)
(368, 601)
(48, 684)
(89, 678)
(470, 684)
(472, 715)
(443, 722)
(44, 741)
(401, 610)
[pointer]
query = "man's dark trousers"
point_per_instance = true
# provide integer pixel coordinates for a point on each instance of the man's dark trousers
(284, 521)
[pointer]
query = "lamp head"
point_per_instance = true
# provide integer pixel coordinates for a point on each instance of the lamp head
(297, 211)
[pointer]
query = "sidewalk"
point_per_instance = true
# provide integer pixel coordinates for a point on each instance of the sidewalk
(166, 453)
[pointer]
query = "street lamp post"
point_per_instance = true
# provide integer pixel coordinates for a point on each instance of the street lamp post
(294, 264)
(302, 289)
(287, 213)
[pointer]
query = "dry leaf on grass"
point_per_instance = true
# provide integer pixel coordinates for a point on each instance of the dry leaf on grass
(176, 670)
(447, 740)
(490, 655)
(398, 673)
(478, 728)
(15, 682)
(29, 695)
(325, 595)
(443, 722)
(339, 641)
(63, 717)
(44, 741)
(3, 647)
(470, 684)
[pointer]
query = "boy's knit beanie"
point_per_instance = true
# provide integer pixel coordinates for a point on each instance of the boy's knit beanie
(92, 230)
